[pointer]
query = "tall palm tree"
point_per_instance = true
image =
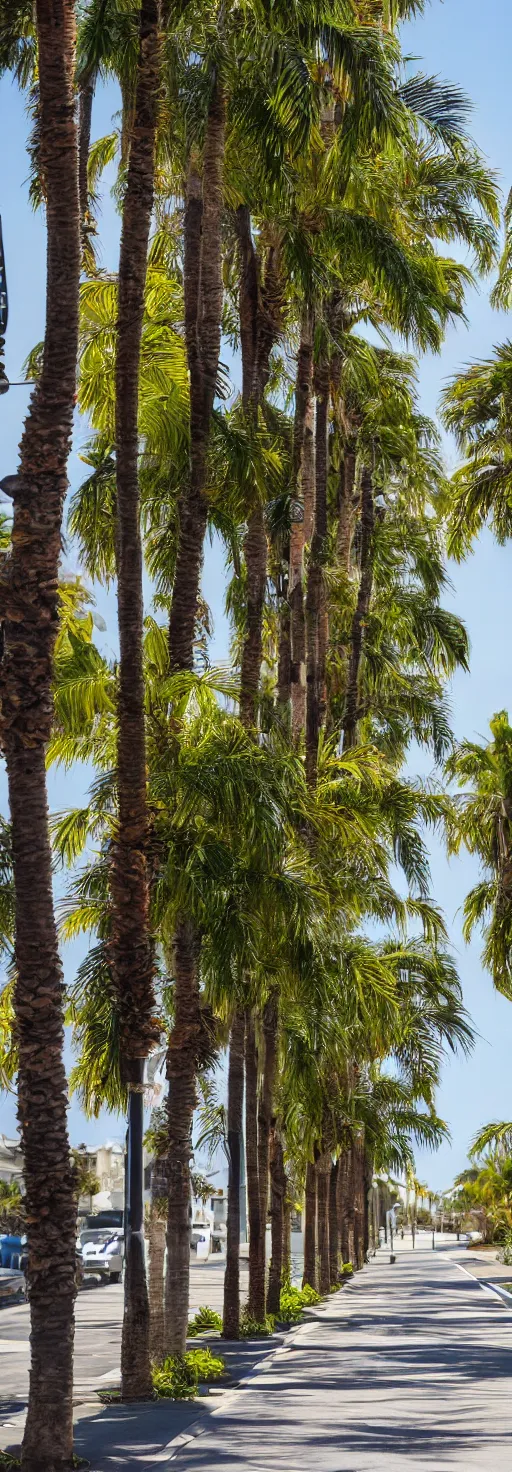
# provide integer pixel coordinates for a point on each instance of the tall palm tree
(482, 823)
(30, 624)
(131, 945)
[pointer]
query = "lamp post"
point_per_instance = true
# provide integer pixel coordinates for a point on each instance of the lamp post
(4, 315)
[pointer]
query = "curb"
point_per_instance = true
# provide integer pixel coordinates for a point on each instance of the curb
(172, 1450)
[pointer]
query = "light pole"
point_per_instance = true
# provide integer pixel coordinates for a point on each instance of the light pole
(4, 316)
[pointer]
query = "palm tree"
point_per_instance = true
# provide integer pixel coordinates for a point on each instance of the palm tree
(482, 823)
(30, 623)
(131, 946)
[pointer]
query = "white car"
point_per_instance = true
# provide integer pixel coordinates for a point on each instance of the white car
(101, 1254)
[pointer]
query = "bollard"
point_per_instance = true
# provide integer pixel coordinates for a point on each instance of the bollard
(433, 1242)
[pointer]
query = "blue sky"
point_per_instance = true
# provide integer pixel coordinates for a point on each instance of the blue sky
(471, 46)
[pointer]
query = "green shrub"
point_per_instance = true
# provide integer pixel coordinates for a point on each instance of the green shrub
(291, 1304)
(209, 1366)
(505, 1253)
(205, 1318)
(347, 1269)
(178, 1377)
(175, 1378)
(294, 1300)
(309, 1296)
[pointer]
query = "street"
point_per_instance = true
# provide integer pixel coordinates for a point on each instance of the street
(97, 1338)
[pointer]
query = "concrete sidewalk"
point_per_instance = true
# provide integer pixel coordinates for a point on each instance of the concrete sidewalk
(408, 1368)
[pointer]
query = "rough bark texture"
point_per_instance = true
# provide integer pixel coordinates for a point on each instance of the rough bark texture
(323, 1170)
(310, 1255)
(255, 552)
(303, 485)
(287, 1233)
(334, 1249)
(131, 948)
(29, 610)
(346, 1204)
(316, 611)
(347, 505)
(277, 1199)
(361, 611)
(85, 101)
(231, 1317)
(256, 1289)
(359, 1203)
(265, 1111)
(259, 311)
(157, 1215)
(184, 1057)
(203, 312)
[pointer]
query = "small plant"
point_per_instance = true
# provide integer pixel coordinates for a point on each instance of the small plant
(291, 1304)
(179, 1375)
(505, 1253)
(175, 1378)
(347, 1269)
(294, 1300)
(205, 1318)
(251, 1329)
(309, 1296)
(209, 1366)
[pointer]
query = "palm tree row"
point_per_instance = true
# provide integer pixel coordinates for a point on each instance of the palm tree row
(293, 187)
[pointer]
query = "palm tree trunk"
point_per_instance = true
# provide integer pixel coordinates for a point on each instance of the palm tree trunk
(287, 1234)
(310, 1276)
(231, 1317)
(255, 552)
(361, 611)
(347, 502)
(265, 1110)
(259, 319)
(256, 1291)
(156, 1242)
(334, 1251)
(30, 615)
(203, 290)
(131, 949)
(359, 1203)
(85, 101)
(347, 1205)
(303, 483)
(182, 1062)
(323, 1169)
(277, 1199)
(316, 612)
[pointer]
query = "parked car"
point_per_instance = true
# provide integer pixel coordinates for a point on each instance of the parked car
(100, 1246)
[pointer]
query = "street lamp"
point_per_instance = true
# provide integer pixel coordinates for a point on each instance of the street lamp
(4, 315)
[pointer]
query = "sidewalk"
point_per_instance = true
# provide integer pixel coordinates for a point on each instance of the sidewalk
(408, 1368)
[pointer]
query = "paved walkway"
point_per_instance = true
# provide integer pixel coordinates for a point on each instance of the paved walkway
(409, 1368)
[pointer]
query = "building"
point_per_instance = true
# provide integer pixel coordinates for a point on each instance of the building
(106, 1162)
(11, 1160)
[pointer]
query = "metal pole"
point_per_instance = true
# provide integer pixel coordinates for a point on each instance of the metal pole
(433, 1239)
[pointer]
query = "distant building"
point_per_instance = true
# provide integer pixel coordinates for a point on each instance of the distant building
(106, 1162)
(11, 1160)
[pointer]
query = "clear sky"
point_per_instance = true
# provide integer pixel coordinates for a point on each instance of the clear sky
(469, 44)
